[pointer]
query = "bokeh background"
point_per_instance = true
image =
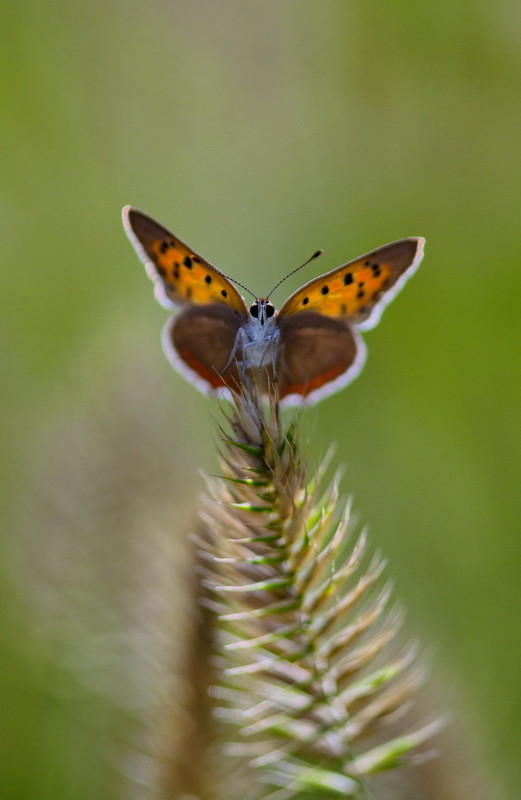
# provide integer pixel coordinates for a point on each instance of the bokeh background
(258, 131)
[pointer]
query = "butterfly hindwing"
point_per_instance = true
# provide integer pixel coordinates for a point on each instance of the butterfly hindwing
(317, 355)
(200, 343)
(181, 275)
(360, 289)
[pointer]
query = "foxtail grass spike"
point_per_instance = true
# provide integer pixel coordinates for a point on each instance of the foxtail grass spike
(310, 678)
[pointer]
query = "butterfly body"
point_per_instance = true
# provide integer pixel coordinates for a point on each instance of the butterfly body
(309, 349)
(260, 335)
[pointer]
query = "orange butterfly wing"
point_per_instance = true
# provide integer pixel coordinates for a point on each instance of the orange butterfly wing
(181, 275)
(360, 289)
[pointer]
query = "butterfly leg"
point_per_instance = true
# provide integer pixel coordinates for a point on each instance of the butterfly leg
(274, 343)
(240, 343)
(245, 362)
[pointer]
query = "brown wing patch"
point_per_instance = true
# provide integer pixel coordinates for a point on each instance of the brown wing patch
(200, 342)
(185, 277)
(354, 289)
(314, 351)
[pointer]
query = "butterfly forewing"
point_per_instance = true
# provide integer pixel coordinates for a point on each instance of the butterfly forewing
(359, 289)
(181, 275)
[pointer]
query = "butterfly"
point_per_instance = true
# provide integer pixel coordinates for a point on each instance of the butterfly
(308, 349)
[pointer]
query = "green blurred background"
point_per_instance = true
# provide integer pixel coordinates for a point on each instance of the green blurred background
(258, 132)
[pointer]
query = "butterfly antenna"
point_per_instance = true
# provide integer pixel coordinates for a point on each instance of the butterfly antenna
(241, 285)
(315, 255)
(238, 283)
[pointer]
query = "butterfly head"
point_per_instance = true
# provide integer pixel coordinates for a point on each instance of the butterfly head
(262, 310)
